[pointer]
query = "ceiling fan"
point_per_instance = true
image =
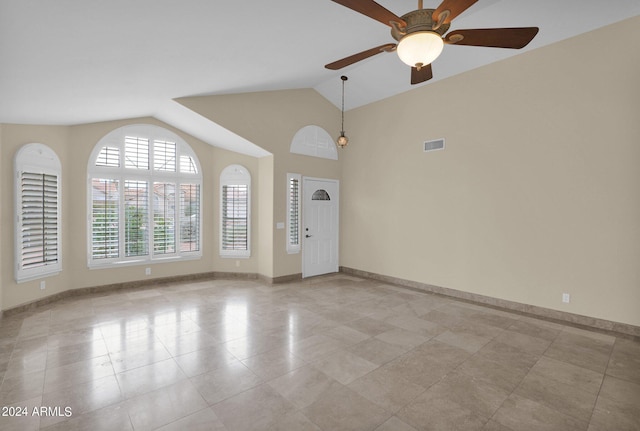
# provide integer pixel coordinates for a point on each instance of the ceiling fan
(421, 34)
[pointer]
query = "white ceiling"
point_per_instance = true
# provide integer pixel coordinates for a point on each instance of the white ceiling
(80, 61)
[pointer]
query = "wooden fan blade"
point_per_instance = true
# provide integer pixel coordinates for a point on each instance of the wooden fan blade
(455, 8)
(360, 56)
(372, 10)
(424, 74)
(514, 38)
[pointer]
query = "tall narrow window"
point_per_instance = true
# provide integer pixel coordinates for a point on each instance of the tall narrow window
(293, 213)
(136, 213)
(164, 222)
(105, 218)
(189, 217)
(144, 200)
(38, 207)
(235, 199)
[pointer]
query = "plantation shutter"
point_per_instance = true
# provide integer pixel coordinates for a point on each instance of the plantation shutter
(294, 211)
(189, 217)
(105, 218)
(235, 204)
(164, 156)
(109, 156)
(136, 152)
(164, 220)
(136, 218)
(187, 165)
(38, 220)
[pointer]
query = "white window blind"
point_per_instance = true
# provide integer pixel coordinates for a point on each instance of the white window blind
(109, 156)
(164, 156)
(187, 165)
(164, 218)
(189, 217)
(235, 196)
(136, 152)
(235, 217)
(136, 218)
(105, 218)
(38, 219)
(293, 213)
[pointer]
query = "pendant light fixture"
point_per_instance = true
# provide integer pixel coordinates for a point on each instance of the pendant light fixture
(342, 139)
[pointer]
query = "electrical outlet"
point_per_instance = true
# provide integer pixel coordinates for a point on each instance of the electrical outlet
(43, 285)
(566, 298)
(147, 271)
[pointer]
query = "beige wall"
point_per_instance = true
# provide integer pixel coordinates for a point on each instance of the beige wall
(265, 191)
(2, 230)
(73, 146)
(536, 193)
(270, 120)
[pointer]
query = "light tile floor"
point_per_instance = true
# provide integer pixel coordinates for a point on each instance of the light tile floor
(330, 353)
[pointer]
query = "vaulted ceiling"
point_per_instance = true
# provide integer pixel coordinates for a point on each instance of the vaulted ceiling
(80, 61)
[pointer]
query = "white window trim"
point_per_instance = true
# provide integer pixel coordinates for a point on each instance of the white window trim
(40, 159)
(116, 138)
(235, 175)
(293, 248)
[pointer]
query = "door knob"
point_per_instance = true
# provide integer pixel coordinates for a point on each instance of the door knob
(308, 236)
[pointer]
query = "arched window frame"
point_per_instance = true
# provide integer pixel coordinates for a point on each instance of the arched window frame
(38, 251)
(130, 171)
(235, 176)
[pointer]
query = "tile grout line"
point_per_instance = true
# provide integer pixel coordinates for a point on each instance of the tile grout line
(604, 376)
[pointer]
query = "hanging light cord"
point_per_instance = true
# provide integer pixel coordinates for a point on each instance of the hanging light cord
(344, 78)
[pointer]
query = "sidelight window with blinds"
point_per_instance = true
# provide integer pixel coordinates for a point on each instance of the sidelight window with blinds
(235, 213)
(38, 207)
(293, 213)
(144, 198)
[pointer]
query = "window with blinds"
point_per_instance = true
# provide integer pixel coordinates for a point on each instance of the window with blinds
(235, 220)
(39, 217)
(109, 156)
(136, 152)
(189, 217)
(38, 205)
(145, 194)
(105, 218)
(187, 165)
(136, 218)
(164, 221)
(164, 156)
(293, 213)
(235, 182)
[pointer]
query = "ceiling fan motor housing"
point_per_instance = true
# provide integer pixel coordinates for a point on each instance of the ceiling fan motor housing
(418, 20)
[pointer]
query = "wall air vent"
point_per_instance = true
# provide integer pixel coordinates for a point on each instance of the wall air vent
(437, 144)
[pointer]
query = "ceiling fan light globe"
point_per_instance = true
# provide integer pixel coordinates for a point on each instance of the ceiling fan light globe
(420, 48)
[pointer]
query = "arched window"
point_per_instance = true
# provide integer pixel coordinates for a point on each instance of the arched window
(144, 197)
(320, 195)
(38, 187)
(235, 212)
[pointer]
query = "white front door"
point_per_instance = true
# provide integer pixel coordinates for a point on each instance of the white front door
(319, 226)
